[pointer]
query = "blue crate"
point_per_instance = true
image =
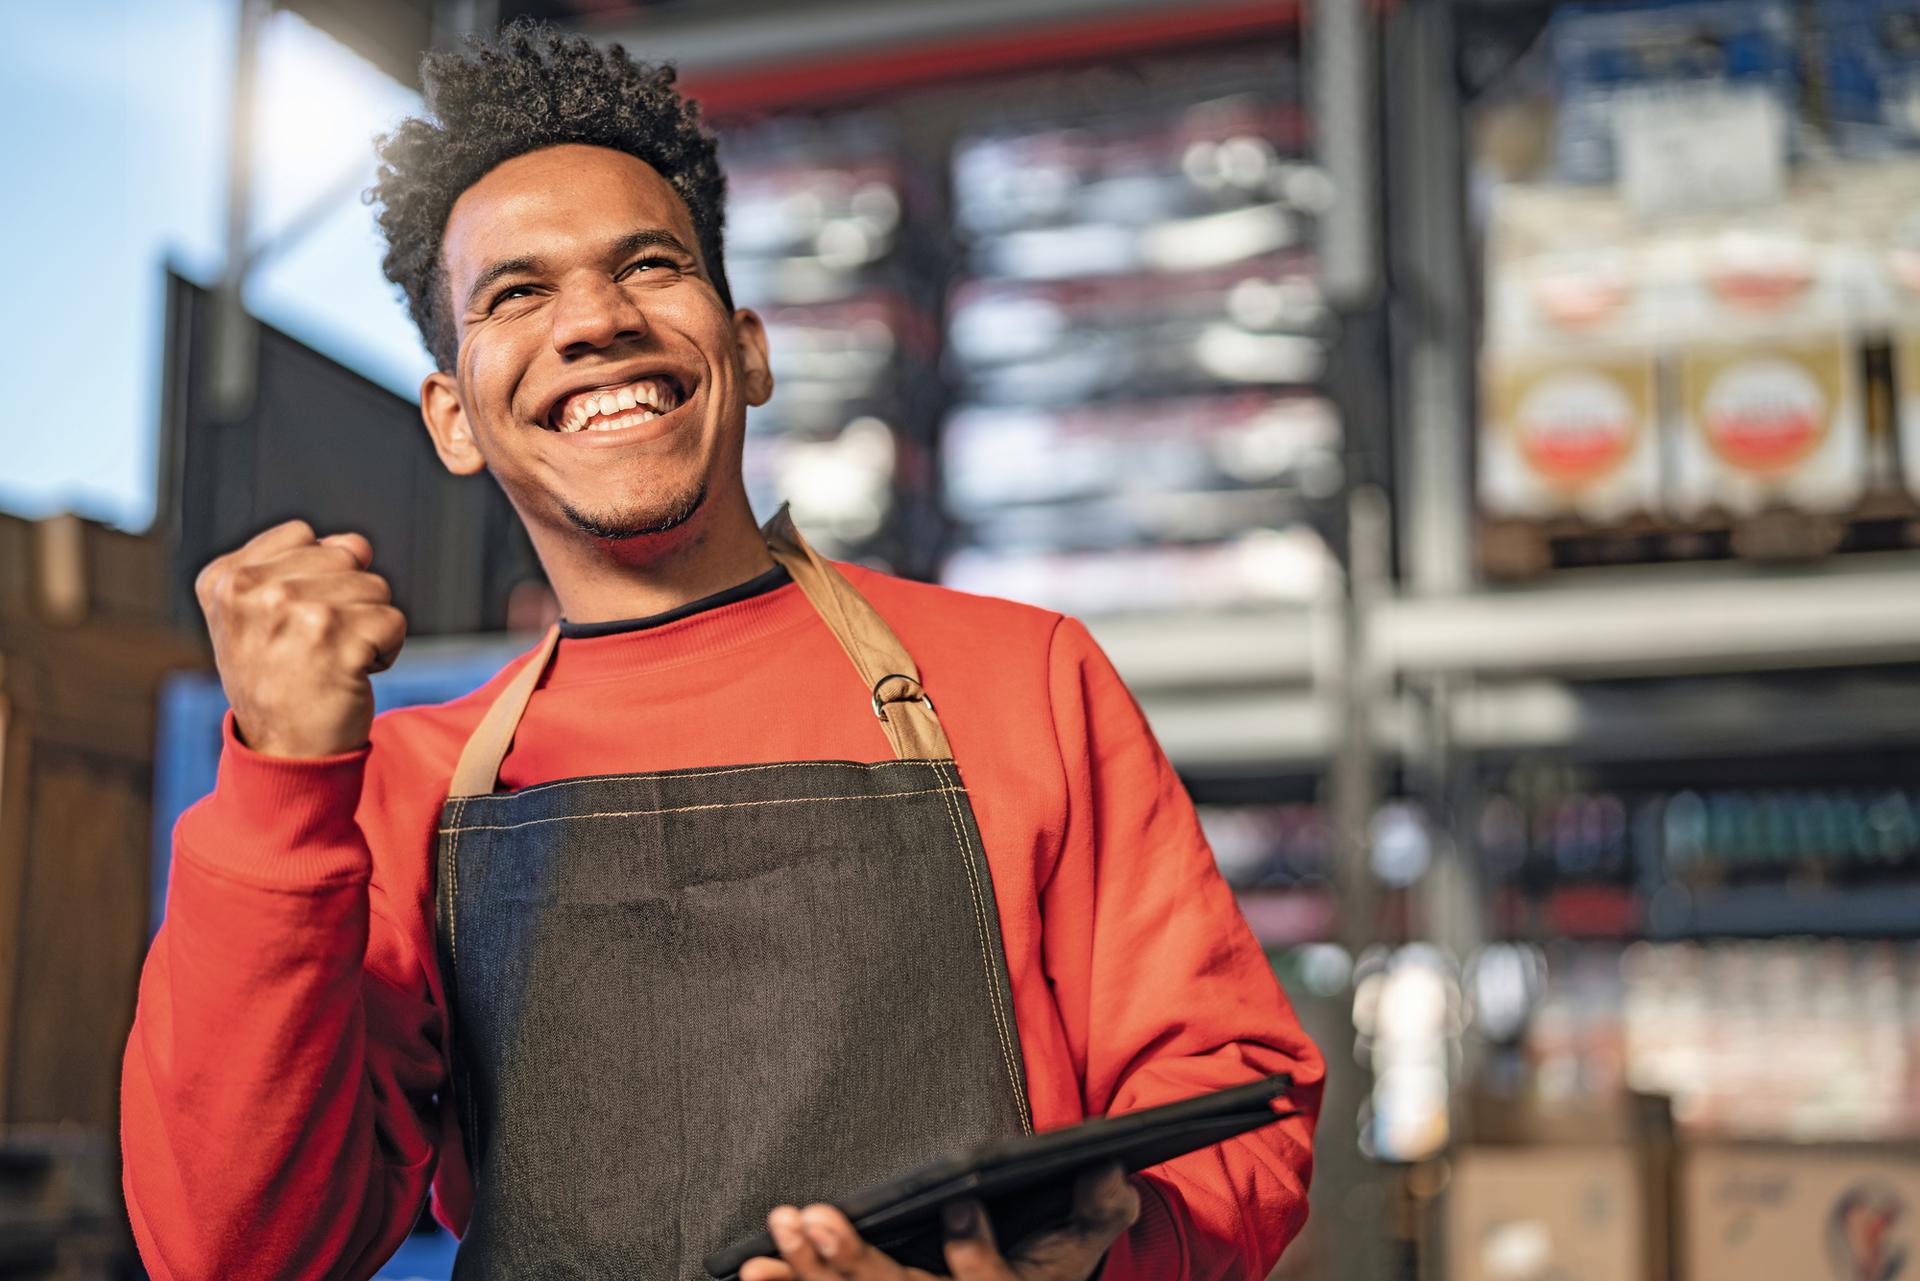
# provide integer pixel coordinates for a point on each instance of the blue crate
(1602, 53)
(1873, 74)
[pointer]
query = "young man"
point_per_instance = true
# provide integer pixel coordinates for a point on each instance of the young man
(700, 913)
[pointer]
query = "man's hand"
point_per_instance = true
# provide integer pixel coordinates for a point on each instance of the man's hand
(298, 625)
(819, 1244)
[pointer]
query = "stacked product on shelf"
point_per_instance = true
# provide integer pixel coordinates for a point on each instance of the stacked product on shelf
(1704, 1025)
(1682, 862)
(818, 243)
(1136, 344)
(1692, 347)
(1793, 1039)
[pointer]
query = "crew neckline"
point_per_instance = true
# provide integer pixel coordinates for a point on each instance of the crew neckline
(759, 585)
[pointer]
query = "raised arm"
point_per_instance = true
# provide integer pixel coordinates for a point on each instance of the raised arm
(276, 1102)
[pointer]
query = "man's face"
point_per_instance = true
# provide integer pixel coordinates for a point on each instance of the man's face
(599, 378)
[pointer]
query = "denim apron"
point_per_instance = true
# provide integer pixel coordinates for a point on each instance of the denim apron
(681, 998)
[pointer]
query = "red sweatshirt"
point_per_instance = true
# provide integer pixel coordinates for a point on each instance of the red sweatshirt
(284, 1102)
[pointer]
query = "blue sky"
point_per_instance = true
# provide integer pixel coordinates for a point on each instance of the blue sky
(114, 150)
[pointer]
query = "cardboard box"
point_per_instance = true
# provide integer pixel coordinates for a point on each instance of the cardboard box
(1754, 1213)
(1546, 1214)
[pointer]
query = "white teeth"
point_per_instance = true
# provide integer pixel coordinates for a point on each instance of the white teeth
(610, 409)
(625, 420)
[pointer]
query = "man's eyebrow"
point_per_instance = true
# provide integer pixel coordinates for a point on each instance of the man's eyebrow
(632, 242)
(651, 238)
(505, 267)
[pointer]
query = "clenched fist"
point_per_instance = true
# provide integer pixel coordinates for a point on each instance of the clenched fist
(298, 625)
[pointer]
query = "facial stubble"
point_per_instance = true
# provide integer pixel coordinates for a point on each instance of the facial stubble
(622, 531)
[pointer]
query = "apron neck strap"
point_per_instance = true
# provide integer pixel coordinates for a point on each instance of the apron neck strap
(886, 669)
(479, 766)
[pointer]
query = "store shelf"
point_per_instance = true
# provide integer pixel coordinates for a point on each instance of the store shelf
(1272, 729)
(1764, 911)
(1549, 668)
(1661, 620)
(1229, 691)
(1727, 716)
(1249, 650)
(1721, 622)
(1676, 913)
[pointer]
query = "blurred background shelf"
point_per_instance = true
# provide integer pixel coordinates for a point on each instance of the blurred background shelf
(1191, 650)
(1669, 619)
(1758, 912)
(1675, 912)
(1727, 716)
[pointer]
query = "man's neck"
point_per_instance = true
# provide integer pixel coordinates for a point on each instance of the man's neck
(601, 580)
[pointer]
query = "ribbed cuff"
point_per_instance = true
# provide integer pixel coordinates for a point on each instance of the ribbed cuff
(277, 820)
(1153, 1248)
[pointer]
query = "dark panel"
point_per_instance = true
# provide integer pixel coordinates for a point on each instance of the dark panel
(325, 445)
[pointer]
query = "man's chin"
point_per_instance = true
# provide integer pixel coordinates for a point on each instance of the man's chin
(625, 526)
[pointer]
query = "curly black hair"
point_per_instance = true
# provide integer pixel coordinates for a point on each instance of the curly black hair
(526, 88)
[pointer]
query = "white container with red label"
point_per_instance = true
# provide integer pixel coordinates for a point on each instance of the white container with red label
(1775, 422)
(1569, 435)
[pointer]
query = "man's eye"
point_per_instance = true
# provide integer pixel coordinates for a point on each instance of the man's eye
(658, 260)
(509, 292)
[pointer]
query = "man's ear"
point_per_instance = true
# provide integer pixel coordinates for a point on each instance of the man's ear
(447, 423)
(751, 338)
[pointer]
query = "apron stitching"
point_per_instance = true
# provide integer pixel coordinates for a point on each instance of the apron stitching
(981, 906)
(453, 881)
(715, 773)
(691, 809)
(986, 954)
(453, 951)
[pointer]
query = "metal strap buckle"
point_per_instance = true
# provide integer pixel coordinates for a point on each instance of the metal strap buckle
(913, 694)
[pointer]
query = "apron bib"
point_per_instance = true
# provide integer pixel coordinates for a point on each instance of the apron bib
(679, 999)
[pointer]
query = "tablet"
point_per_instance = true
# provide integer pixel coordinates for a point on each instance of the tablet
(1026, 1183)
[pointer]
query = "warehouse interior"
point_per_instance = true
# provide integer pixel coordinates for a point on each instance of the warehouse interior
(1484, 434)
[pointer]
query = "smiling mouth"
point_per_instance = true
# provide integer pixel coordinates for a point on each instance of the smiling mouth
(615, 407)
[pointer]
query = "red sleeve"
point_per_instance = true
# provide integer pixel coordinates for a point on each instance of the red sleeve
(276, 1115)
(1164, 991)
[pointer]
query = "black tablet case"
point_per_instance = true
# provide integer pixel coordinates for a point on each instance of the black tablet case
(1026, 1183)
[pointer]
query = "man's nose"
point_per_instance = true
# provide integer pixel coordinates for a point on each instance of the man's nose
(594, 312)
